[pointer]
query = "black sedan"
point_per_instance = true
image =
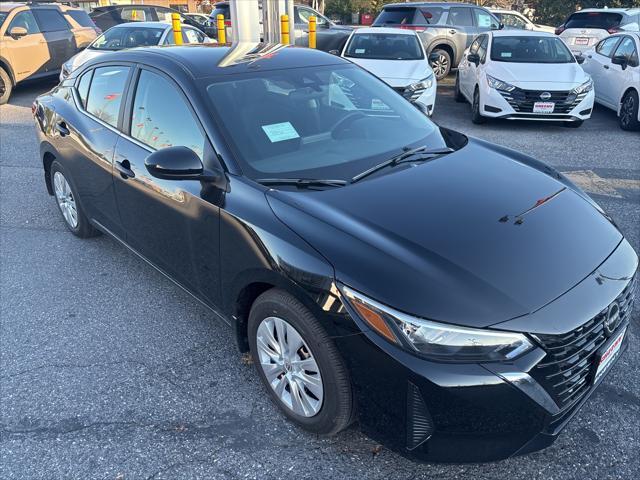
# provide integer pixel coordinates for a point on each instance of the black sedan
(459, 300)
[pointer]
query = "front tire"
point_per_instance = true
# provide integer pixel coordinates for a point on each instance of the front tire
(67, 199)
(476, 116)
(628, 118)
(442, 65)
(299, 364)
(6, 86)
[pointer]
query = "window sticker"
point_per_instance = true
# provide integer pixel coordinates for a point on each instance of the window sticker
(484, 21)
(278, 132)
(505, 54)
(360, 50)
(377, 104)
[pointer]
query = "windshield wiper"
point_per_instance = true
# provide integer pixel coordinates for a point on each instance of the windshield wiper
(302, 182)
(404, 157)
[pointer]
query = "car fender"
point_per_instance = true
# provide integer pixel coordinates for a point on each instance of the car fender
(442, 40)
(4, 63)
(624, 92)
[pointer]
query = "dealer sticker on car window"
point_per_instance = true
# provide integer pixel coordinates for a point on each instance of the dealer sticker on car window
(505, 54)
(278, 132)
(359, 50)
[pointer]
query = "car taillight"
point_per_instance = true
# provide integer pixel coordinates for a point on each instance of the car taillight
(227, 23)
(560, 29)
(416, 28)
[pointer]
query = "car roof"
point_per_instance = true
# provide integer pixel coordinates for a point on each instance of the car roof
(502, 10)
(8, 6)
(395, 31)
(142, 25)
(519, 33)
(202, 60)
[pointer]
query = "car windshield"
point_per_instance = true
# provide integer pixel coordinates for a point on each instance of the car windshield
(384, 46)
(603, 20)
(534, 49)
(315, 123)
(119, 38)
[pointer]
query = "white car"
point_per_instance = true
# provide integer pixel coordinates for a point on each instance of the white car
(614, 65)
(130, 35)
(583, 29)
(512, 19)
(523, 76)
(398, 58)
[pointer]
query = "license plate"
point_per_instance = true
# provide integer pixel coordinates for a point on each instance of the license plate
(581, 41)
(543, 107)
(611, 352)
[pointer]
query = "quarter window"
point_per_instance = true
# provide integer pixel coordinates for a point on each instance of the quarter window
(460, 17)
(83, 87)
(136, 14)
(513, 21)
(166, 123)
(482, 49)
(105, 93)
(605, 47)
(50, 20)
(25, 19)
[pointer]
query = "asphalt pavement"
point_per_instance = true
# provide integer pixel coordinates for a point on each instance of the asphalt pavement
(109, 371)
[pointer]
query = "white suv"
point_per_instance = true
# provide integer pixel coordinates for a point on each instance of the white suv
(614, 65)
(583, 29)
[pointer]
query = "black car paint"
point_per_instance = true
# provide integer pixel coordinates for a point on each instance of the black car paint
(227, 243)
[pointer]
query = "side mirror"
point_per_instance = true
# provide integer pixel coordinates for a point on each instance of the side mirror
(620, 60)
(433, 57)
(176, 163)
(334, 52)
(474, 58)
(17, 32)
(580, 59)
(501, 26)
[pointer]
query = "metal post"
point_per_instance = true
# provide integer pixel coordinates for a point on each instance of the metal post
(222, 34)
(245, 21)
(312, 31)
(284, 29)
(177, 29)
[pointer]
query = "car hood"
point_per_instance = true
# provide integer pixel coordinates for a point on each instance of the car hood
(396, 73)
(442, 240)
(546, 76)
(83, 57)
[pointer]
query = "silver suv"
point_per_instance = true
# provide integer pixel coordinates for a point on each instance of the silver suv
(446, 29)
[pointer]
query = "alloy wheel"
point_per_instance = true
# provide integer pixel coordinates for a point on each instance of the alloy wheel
(289, 366)
(440, 66)
(3, 87)
(66, 201)
(627, 110)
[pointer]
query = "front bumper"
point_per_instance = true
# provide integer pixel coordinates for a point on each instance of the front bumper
(518, 105)
(444, 412)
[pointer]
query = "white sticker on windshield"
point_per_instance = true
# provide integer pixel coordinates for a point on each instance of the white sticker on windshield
(505, 54)
(278, 132)
(360, 50)
(377, 104)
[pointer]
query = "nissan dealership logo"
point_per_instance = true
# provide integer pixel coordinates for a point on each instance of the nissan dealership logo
(612, 319)
(545, 96)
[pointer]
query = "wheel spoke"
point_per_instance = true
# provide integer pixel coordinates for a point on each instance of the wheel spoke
(272, 371)
(312, 382)
(296, 399)
(281, 330)
(294, 342)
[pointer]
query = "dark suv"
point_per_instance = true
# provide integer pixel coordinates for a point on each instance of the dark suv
(444, 28)
(107, 17)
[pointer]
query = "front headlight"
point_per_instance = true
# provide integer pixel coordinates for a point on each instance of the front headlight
(438, 341)
(499, 84)
(585, 87)
(422, 84)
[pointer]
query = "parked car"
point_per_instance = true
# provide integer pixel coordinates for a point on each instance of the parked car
(398, 58)
(131, 35)
(524, 76)
(446, 29)
(329, 35)
(514, 19)
(377, 267)
(201, 18)
(35, 39)
(583, 29)
(615, 68)
(111, 15)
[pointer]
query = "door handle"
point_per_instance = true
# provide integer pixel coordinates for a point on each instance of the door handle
(124, 167)
(606, 66)
(453, 32)
(62, 129)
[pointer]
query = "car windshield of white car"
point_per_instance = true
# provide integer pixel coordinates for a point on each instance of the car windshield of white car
(384, 46)
(534, 49)
(326, 122)
(119, 38)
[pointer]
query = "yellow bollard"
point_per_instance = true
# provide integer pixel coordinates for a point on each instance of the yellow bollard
(222, 34)
(134, 15)
(312, 31)
(177, 29)
(284, 30)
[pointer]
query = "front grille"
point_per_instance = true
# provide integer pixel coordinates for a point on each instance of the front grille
(523, 100)
(411, 95)
(566, 372)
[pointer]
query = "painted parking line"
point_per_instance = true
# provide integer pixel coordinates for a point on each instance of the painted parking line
(591, 182)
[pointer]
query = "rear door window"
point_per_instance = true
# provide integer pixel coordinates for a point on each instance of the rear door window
(605, 47)
(603, 20)
(460, 17)
(25, 19)
(81, 17)
(105, 93)
(396, 16)
(190, 35)
(429, 15)
(484, 19)
(83, 87)
(50, 20)
(136, 14)
(627, 49)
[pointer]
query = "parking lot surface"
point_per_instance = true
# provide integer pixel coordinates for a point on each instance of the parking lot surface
(109, 371)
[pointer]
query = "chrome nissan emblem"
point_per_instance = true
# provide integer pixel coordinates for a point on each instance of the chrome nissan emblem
(612, 319)
(545, 96)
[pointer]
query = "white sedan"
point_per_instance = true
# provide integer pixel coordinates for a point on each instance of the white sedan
(614, 65)
(398, 58)
(130, 35)
(523, 76)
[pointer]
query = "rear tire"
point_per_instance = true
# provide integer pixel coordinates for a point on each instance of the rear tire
(442, 66)
(628, 118)
(457, 94)
(66, 197)
(476, 116)
(6, 86)
(325, 409)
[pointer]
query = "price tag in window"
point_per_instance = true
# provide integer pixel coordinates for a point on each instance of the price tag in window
(279, 132)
